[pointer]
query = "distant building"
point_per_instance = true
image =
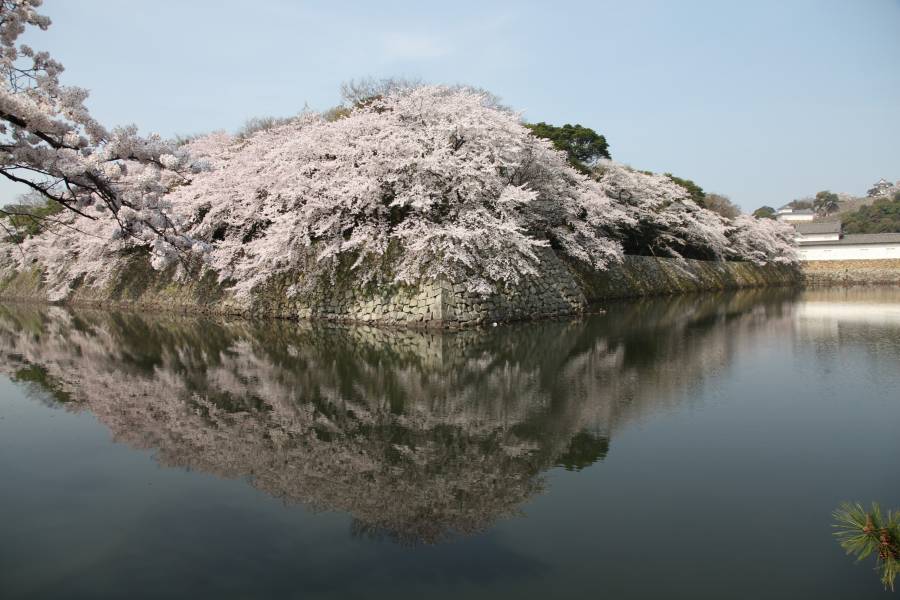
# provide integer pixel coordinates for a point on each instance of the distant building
(825, 241)
(795, 215)
(818, 231)
(880, 189)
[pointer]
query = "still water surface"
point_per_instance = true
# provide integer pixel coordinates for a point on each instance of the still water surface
(690, 447)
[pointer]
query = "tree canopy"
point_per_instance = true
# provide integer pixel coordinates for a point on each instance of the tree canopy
(583, 146)
(722, 205)
(764, 212)
(826, 202)
(801, 203)
(882, 216)
(694, 191)
(29, 216)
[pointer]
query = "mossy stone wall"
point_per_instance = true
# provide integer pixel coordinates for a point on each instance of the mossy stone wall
(560, 290)
(651, 276)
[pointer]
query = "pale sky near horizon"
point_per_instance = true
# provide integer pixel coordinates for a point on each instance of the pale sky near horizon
(764, 101)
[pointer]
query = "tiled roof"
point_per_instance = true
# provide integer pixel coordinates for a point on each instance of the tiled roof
(859, 238)
(819, 227)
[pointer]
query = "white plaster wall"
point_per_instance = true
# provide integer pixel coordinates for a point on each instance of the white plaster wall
(851, 252)
(795, 218)
(818, 237)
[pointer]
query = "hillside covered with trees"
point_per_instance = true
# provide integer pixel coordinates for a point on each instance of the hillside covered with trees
(876, 212)
(882, 216)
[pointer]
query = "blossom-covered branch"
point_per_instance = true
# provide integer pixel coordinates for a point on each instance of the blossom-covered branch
(50, 144)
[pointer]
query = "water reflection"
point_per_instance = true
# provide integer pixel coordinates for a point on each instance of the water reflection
(418, 435)
(834, 322)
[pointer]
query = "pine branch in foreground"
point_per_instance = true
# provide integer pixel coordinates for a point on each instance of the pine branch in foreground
(863, 533)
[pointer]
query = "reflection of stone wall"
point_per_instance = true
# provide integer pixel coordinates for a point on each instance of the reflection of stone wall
(559, 290)
(817, 273)
(420, 434)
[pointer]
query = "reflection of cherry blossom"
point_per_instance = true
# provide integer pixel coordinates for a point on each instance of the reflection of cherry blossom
(417, 434)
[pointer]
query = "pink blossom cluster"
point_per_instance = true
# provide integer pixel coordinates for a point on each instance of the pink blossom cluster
(664, 221)
(435, 178)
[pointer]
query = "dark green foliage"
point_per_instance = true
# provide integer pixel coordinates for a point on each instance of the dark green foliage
(583, 146)
(882, 216)
(863, 533)
(29, 217)
(696, 192)
(336, 113)
(764, 212)
(826, 203)
(800, 204)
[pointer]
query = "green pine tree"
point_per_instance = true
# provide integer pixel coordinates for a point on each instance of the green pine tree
(863, 533)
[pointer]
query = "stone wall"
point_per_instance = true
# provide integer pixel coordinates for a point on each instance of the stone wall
(554, 293)
(817, 273)
(449, 304)
(560, 290)
(651, 276)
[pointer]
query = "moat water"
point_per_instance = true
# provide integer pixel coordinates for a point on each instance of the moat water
(689, 447)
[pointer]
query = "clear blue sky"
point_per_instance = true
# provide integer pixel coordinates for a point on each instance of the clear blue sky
(764, 101)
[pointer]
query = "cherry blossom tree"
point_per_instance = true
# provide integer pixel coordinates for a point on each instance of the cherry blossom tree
(51, 145)
(664, 221)
(421, 183)
(762, 241)
(416, 182)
